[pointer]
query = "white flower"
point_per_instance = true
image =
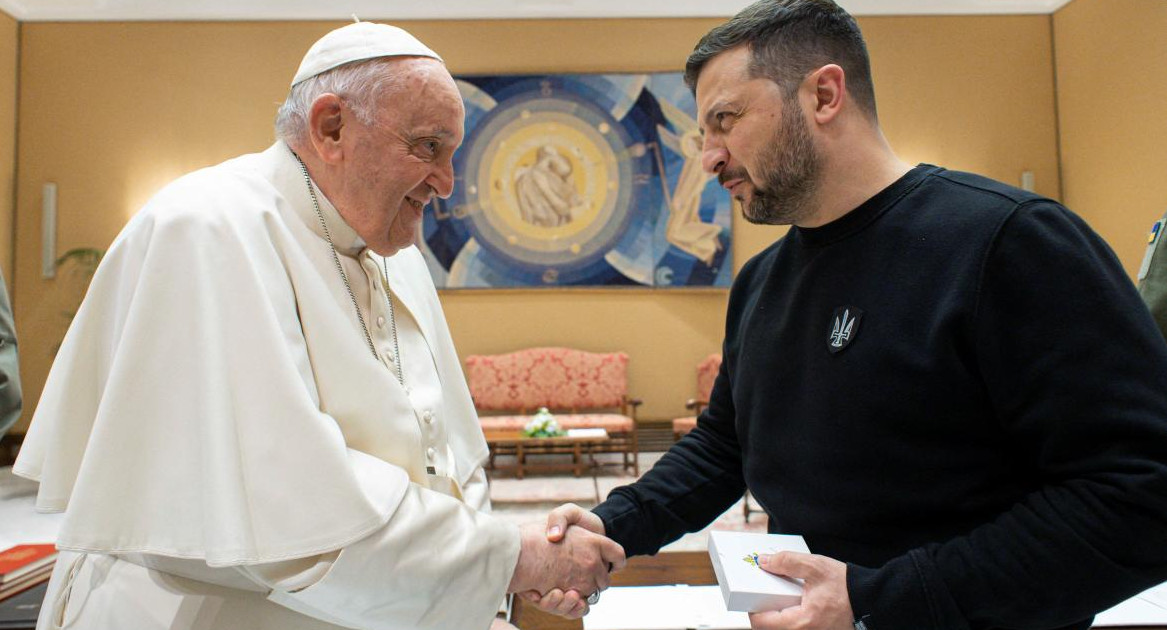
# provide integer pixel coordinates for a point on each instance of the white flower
(542, 424)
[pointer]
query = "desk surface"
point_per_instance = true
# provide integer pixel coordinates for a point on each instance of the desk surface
(681, 567)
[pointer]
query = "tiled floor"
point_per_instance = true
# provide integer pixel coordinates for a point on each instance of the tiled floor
(19, 521)
(528, 499)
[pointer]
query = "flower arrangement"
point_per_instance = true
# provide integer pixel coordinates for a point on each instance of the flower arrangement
(543, 425)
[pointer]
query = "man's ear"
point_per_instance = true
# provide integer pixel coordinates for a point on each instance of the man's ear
(829, 84)
(325, 124)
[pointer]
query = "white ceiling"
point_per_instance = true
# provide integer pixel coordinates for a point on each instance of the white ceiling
(100, 10)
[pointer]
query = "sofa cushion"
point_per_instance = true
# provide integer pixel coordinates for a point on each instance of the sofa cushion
(556, 378)
(681, 426)
(706, 374)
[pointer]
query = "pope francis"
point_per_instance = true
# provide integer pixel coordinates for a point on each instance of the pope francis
(258, 420)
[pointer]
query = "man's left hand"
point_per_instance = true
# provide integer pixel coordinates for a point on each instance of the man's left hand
(825, 602)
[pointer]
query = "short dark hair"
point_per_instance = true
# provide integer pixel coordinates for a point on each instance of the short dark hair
(787, 40)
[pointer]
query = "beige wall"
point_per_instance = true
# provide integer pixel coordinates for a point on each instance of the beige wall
(110, 112)
(1112, 93)
(9, 46)
(969, 93)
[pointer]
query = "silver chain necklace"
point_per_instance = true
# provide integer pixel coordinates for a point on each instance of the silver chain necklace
(397, 368)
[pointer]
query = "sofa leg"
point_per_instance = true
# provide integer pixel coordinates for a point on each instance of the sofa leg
(520, 459)
(635, 454)
(746, 509)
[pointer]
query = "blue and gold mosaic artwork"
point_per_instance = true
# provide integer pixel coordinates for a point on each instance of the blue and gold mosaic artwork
(579, 180)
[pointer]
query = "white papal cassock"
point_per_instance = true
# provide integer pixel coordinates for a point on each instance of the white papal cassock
(228, 451)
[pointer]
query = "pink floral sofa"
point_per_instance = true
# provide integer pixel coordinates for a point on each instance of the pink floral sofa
(706, 373)
(583, 390)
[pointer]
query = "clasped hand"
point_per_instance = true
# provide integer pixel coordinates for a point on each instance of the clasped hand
(826, 604)
(563, 524)
(577, 560)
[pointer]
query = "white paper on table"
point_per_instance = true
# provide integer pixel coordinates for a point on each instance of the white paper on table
(1156, 595)
(1141, 610)
(587, 433)
(676, 607)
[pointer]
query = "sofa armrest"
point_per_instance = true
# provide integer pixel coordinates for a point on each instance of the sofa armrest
(629, 405)
(696, 405)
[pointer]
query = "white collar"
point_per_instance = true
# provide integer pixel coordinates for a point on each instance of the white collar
(290, 179)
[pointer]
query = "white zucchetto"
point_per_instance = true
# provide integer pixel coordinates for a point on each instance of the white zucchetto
(357, 42)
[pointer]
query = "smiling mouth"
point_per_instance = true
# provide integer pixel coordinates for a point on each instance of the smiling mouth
(417, 205)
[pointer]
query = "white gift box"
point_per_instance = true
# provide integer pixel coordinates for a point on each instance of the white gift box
(744, 585)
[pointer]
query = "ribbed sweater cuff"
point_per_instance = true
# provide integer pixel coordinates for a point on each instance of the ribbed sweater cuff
(900, 595)
(614, 512)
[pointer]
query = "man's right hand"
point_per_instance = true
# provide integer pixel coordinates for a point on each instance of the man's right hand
(566, 602)
(578, 560)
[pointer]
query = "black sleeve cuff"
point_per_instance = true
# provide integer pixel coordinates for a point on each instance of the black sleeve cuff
(616, 512)
(900, 594)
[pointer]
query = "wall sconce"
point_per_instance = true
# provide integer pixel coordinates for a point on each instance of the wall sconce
(1028, 181)
(49, 230)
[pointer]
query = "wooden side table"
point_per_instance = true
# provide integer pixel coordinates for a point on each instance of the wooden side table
(520, 446)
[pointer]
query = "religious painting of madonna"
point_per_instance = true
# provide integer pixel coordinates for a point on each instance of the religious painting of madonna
(579, 180)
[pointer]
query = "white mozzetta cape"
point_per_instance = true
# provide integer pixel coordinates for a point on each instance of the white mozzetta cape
(215, 398)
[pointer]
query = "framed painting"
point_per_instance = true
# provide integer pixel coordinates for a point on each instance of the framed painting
(579, 180)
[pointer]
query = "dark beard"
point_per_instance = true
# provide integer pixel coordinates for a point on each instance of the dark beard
(788, 173)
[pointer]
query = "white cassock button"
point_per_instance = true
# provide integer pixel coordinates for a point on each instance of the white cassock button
(429, 453)
(389, 356)
(380, 322)
(428, 416)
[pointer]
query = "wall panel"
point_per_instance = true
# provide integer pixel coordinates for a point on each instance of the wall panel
(1111, 64)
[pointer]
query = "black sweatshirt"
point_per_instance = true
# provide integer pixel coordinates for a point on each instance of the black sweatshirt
(985, 444)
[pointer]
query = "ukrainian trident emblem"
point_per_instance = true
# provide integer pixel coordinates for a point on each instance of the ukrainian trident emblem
(844, 327)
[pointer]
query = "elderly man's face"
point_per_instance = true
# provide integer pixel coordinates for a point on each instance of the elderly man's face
(404, 159)
(755, 141)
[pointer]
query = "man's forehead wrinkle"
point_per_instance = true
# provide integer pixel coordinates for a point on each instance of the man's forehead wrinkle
(717, 104)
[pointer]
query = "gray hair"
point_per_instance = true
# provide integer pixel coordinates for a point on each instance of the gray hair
(789, 39)
(360, 84)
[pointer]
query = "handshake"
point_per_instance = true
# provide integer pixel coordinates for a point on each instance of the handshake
(565, 563)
